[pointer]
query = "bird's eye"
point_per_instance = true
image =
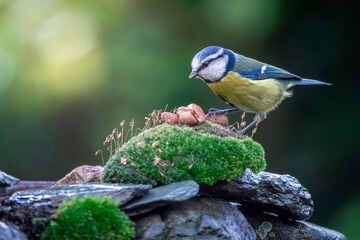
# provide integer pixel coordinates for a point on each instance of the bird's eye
(206, 63)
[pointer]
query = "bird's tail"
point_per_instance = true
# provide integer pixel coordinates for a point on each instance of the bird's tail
(305, 81)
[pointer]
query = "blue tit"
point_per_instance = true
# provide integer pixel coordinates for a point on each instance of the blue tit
(246, 84)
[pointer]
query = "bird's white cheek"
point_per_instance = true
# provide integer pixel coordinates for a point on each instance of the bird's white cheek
(216, 69)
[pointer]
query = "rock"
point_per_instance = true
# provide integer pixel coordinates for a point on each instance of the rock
(220, 119)
(9, 231)
(271, 227)
(82, 174)
(55, 195)
(197, 112)
(279, 194)
(150, 227)
(160, 196)
(23, 185)
(197, 218)
(169, 118)
(4, 209)
(31, 219)
(7, 181)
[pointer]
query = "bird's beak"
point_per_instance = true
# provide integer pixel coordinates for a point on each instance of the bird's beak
(193, 74)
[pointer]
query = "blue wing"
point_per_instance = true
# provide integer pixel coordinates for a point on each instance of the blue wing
(255, 70)
(278, 73)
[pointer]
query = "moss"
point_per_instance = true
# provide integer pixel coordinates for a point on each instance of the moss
(39, 224)
(166, 154)
(264, 229)
(89, 218)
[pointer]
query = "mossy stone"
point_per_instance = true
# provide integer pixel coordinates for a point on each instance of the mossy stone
(170, 153)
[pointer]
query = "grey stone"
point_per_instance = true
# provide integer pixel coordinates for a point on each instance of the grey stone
(25, 185)
(55, 195)
(196, 219)
(271, 227)
(9, 231)
(160, 196)
(150, 227)
(7, 181)
(280, 194)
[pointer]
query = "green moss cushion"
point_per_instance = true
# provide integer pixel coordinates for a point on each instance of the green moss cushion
(90, 218)
(168, 153)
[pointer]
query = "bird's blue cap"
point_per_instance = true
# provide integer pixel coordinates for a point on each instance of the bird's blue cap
(214, 50)
(208, 51)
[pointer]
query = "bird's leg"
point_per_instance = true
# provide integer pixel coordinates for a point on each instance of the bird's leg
(248, 126)
(216, 111)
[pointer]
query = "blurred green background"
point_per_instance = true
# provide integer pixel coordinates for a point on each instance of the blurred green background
(71, 71)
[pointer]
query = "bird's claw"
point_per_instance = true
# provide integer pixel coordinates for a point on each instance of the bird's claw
(215, 111)
(233, 129)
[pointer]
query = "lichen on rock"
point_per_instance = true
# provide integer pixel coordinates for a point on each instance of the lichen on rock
(167, 153)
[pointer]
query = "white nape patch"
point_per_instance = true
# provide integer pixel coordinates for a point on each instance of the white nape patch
(263, 68)
(215, 70)
(197, 62)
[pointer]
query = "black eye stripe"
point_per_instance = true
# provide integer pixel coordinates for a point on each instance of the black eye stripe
(207, 63)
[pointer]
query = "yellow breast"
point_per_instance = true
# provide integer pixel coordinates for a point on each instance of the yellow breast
(249, 95)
